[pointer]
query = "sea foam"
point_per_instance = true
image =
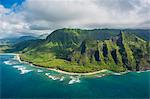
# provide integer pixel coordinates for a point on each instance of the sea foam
(9, 62)
(100, 75)
(74, 80)
(39, 70)
(147, 70)
(54, 77)
(25, 71)
(47, 74)
(22, 69)
(62, 78)
(140, 71)
(117, 74)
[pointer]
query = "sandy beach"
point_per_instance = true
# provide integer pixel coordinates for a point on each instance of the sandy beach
(84, 74)
(18, 57)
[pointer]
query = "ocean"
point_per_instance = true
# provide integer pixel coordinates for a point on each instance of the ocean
(21, 80)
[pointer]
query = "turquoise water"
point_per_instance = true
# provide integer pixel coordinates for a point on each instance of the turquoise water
(20, 80)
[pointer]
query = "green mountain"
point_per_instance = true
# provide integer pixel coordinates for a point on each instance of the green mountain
(7, 43)
(15, 40)
(76, 50)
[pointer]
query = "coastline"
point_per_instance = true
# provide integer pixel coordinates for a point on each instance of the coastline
(68, 73)
(61, 71)
(82, 74)
(18, 58)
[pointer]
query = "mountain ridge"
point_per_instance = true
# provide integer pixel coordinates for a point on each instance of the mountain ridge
(76, 50)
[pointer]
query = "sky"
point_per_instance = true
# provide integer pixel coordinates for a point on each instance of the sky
(36, 17)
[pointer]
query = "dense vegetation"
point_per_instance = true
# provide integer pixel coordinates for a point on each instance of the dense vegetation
(76, 50)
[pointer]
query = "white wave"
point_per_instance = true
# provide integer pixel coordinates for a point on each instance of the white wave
(39, 70)
(22, 69)
(140, 71)
(100, 75)
(62, 78)
(47, 74)
(9, 62)
(19, 67)
(117, 74)
(53, 77)
(147, 70)
(143, 71)
(121, 73)
(74, 80)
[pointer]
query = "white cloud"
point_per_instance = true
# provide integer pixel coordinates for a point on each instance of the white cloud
(37, 16)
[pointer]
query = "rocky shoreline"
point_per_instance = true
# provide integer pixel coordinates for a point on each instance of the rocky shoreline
(68, 73)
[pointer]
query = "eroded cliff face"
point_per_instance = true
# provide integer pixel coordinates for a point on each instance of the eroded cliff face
(90, 50)
(126, 51)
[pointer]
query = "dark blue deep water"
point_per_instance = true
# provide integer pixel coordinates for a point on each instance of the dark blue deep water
(20, 80)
